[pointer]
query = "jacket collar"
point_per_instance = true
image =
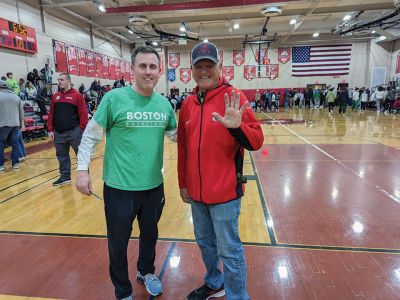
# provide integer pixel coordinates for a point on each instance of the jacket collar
(221, 86)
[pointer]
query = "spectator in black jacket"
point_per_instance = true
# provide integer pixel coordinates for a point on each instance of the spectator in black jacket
(343, 99)
(43, 96)
(34, 77)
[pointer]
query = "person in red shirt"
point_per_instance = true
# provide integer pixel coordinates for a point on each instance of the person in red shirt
(67, 120)
(216, 124)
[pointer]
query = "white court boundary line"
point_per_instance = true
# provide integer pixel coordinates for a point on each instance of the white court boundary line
(377, 187)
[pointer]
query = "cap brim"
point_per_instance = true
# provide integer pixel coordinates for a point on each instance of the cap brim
(194, 61)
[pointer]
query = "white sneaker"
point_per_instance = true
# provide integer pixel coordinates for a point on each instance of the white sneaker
(2, 168)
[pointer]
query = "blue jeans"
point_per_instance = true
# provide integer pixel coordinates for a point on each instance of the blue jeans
(22, 152)
(378, 104)
(4, 133)
(217, 234)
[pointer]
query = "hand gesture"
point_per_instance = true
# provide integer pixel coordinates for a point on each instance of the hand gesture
(233, 111)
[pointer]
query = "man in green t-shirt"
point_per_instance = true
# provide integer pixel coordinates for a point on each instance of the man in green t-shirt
(135, 120)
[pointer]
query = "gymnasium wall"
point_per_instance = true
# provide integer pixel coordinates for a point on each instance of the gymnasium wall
(76, 33)
(379, 58)
(395, 52)
(365, 55)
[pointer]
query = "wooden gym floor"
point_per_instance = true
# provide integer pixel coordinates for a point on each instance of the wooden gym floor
(320, 218)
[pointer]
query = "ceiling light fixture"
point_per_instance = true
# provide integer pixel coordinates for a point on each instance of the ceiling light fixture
(316, 34)
(205, 40)
(373, 31)
(155, 43)
(236, 26)
(293, 21)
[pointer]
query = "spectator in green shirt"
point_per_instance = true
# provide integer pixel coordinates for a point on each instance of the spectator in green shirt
(330, 97)
(12, 83)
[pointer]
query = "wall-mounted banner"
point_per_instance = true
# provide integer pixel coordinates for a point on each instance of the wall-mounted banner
(273, 71)
(60, 54)
(82, 62)
(220, 56)
(174, 60)
(72, 60)
(162, 64)
(185, 75)
(228, 73)
(263, 57)
(238, 57)
(105, 67)
(99, 65)
(250, 72)
(283, 55)
(171, 75)
(398, 64)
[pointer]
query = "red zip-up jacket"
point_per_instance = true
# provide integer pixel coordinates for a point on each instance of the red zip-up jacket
(67, 110)
(210, 156)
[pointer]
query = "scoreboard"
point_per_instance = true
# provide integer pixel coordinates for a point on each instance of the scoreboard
(17, 36)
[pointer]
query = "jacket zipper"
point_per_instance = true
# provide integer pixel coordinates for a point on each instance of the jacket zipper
(201, 127)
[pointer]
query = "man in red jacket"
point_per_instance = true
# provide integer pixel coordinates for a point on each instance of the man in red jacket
(215, 125)
(67, 120)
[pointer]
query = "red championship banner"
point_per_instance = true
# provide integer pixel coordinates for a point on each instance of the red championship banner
(228, 73)
(105, 67)
(117, 63)
(162, 63)
(127, 72)
(122, 68)
(111, 62)
(263, 57)
(82, 69)
(174, 60)
(99, 65)
(398, 64)
(238, 57)
(117, 69)
(72, 60)
(273, 71)
(283, 55)
(250, 72)
(220, 56)
(91, 71)
(60, 54)
(185, 74)
(131, 71)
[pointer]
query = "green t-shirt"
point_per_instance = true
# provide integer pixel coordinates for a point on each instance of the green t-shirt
(330, 97)
(13, 85)
(135, 127)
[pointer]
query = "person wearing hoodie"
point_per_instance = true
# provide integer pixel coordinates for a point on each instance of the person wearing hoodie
(67, 120)
(215, 125)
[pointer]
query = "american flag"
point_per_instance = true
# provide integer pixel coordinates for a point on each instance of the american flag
(328, 60)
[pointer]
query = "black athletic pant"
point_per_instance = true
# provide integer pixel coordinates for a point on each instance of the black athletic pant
(331, 106)
(363, 105)
(121, 207)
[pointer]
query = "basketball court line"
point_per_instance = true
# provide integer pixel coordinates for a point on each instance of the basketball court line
(377, 187)
(267, 215)
(38, 175)
(247, 244)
